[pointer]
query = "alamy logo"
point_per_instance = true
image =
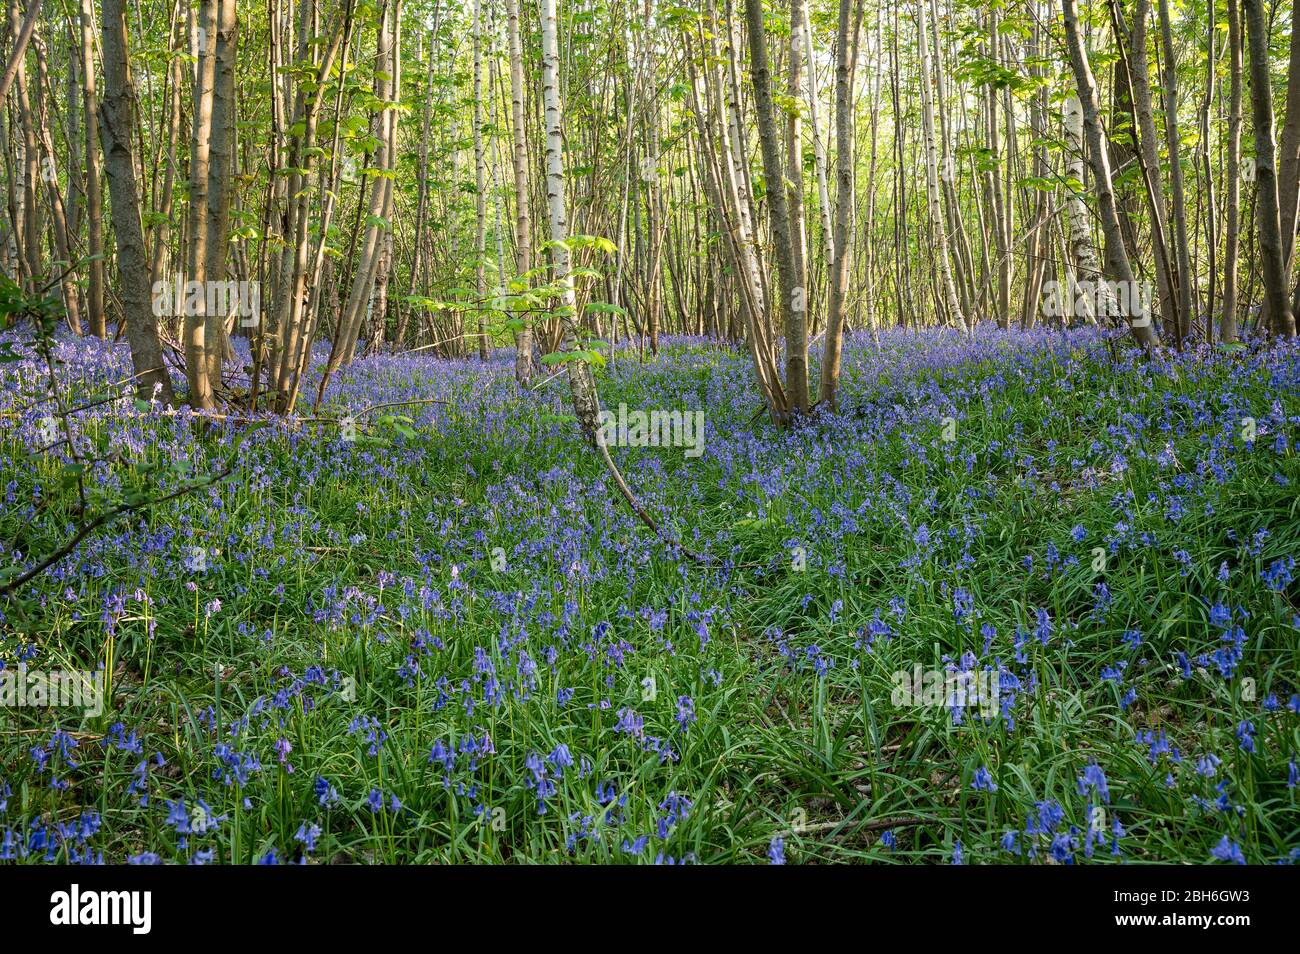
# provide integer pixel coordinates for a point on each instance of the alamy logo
(654, 429)
(952, 689)
(76, 907)
(24, 688)
(175, 296)
(1101, 299)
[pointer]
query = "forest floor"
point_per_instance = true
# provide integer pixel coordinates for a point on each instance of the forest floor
(445, 638)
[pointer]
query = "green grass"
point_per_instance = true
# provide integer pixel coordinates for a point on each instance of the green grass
(316, 536)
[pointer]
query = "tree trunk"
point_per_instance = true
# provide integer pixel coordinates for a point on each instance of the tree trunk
(1186, 278)
(1082, 252)
(819, 147)
(523, 218)
(1232, 226)
(354, 311)
(23, 37)
(1148, 153)
(1288, 165)
(1117, 262)
(29, 242)
(196, 339)
(117, 114)
(480, 183)
(586, 404)
(934, 198)
(65, 267)
(94, 190)
(1266, 179)
(220, 171)
(794, 174)
(839, 247)
(793, 292)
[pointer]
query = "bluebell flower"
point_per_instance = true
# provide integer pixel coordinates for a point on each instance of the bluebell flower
(776, 851)
(983, 781)
(1093, 779)
(307, 834)
(1246, 735)
(1228, 850)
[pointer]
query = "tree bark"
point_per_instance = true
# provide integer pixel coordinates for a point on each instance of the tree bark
(480, 183)
(117, 115)
(1169, 89)
(94, 172)
(523, 217)
(1082, 251)
(63, 239)
(1268, 210)
(23, 37)
(1148, 153)
(828, 388)
(793, 293)
(220, 172)
(1288, 165)
(196, 319)
(1117, 262)
(1232, 239)
(934, 198)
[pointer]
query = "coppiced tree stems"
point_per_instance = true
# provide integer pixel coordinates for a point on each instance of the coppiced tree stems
(698, 141)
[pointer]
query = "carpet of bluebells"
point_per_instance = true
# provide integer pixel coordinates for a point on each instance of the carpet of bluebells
(449, 640)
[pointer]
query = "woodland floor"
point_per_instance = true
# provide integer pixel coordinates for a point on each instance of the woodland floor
(324, 657)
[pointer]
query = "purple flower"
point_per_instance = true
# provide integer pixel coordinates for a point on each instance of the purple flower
(1227, 850)
(776, 851)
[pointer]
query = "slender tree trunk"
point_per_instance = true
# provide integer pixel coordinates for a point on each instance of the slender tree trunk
(582, 385)
(196, 339)
(586, 404)
(66, 267)
(523, 218)
(722, 182)
(1186, 278)
(23, 36)
(819, 147)
(932, 191)
(162, 231)
(793, 292)
(1266, 178)
(869, 294)
(480, 183)
(1117, 261)
(354, 311)
(295, 320)
(839, 247)
(1232, 225)
(1211, 199)
(422, 197)
(1082, 252)
(1288, 164)
(1148, 153)
(30, 230)
(1037, 239)
(220, 172)
(117, 115)
(94, 189)
(794, 178)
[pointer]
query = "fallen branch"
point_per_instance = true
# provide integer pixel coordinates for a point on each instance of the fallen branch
(108, 516)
